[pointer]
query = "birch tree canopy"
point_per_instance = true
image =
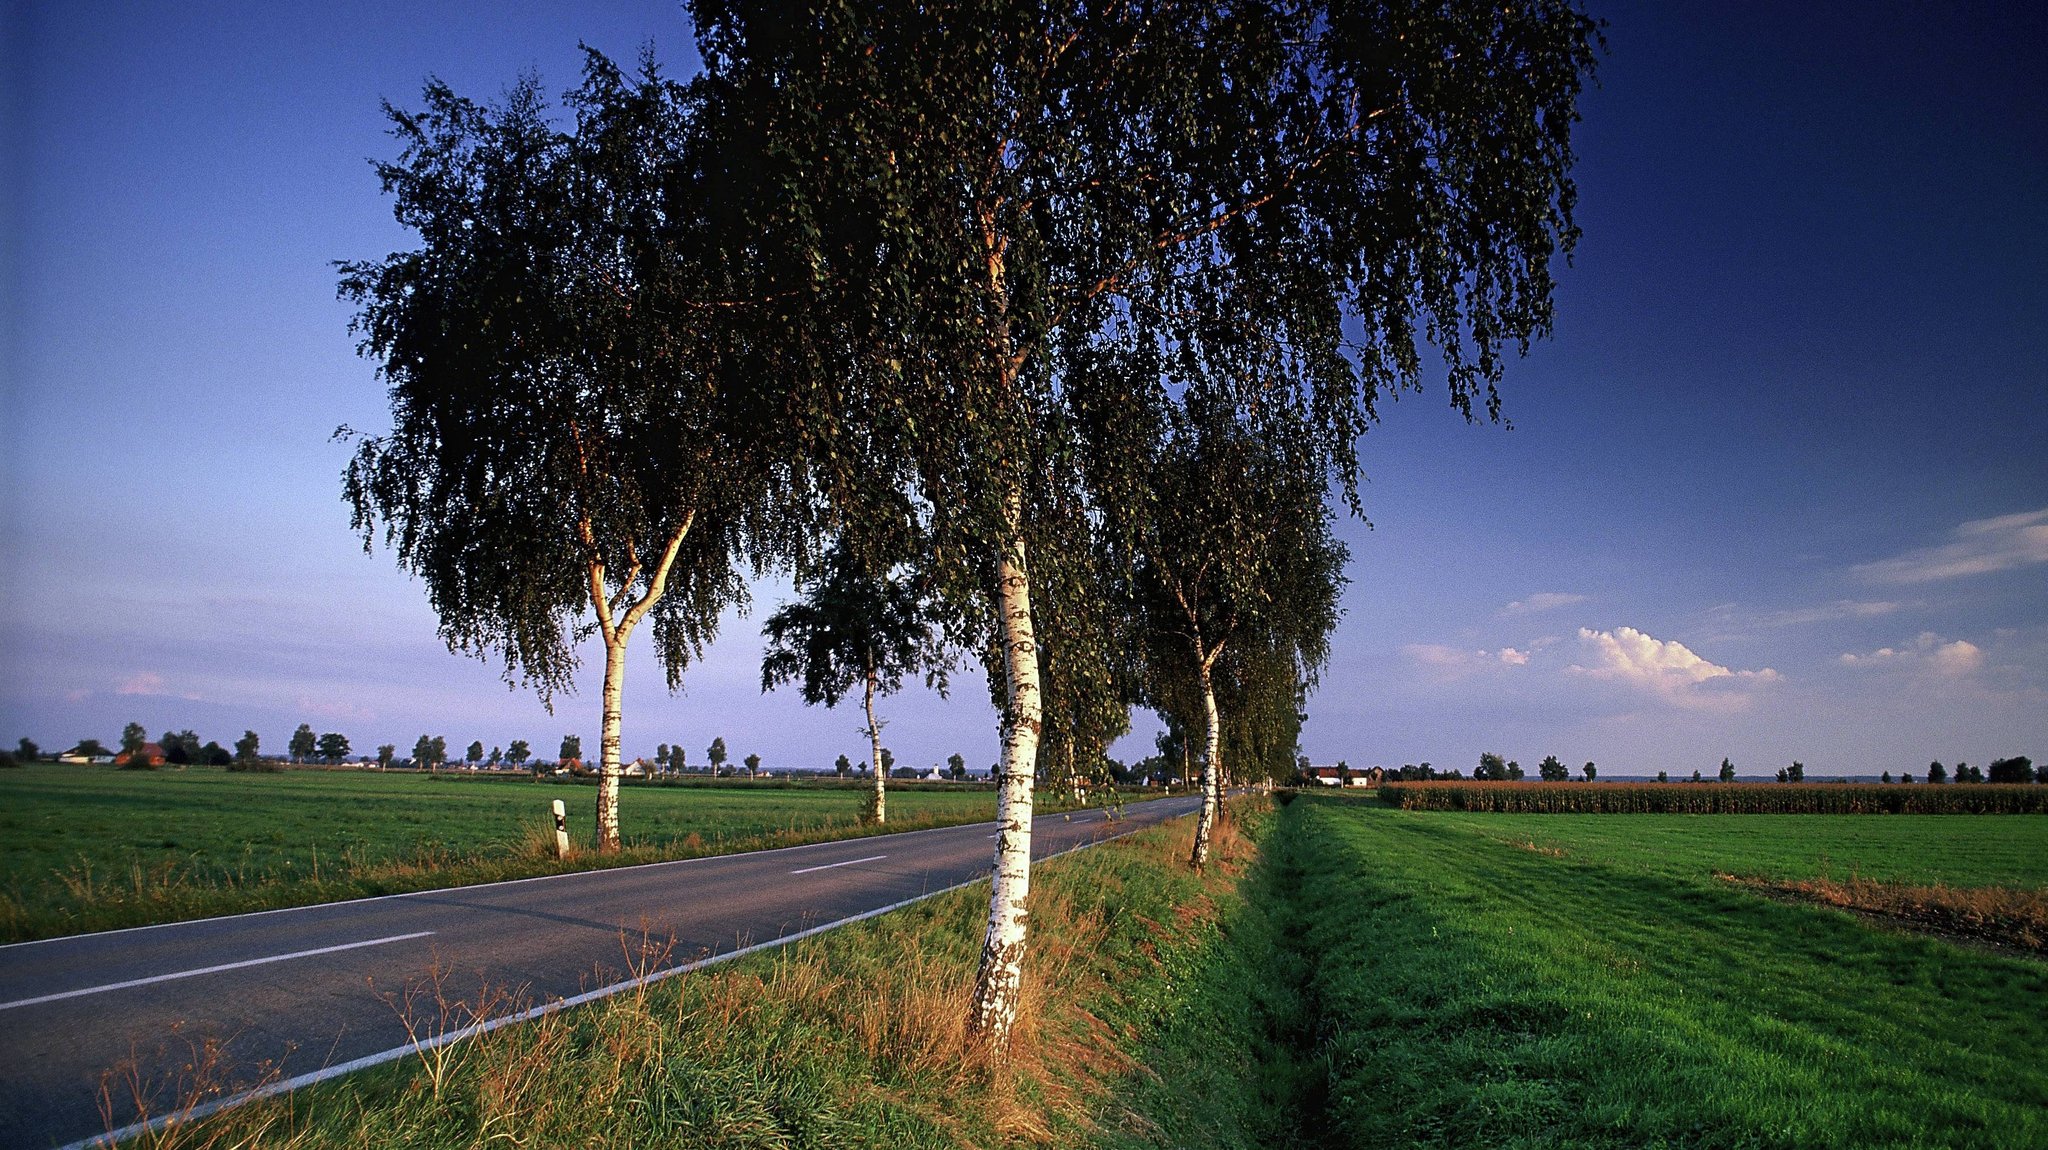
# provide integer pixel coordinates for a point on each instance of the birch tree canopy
(570, 453)
(1300, 194)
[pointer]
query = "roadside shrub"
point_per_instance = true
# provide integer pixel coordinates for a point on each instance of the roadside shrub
(1716, 799)
(255, 766)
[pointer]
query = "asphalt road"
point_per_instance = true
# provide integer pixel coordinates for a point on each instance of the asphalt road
(289, 996)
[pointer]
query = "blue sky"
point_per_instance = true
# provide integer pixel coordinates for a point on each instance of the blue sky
(1777, 489)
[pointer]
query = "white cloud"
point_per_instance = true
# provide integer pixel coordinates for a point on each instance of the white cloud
(1979, 547)
(1668, 669)
(1541, 601)
(1830, 612)
(1926, 653)
(147, 683)
(1455, 662)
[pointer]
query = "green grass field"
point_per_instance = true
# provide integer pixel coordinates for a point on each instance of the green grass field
(92, 848)
(1552, 981)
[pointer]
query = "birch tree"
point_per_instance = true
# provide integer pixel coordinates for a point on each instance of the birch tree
(855, 626)
(978, 192)
(569, 454)
(1232, 554)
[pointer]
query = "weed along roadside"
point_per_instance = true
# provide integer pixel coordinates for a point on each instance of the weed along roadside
(853, 1037)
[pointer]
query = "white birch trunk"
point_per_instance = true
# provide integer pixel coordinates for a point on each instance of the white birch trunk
(878, 804)
(608, 745)
(1212, 789)
(616, 630)
(1000, 977)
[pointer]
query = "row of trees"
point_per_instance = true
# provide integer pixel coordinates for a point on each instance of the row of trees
(1063, 317)
(1493, 767)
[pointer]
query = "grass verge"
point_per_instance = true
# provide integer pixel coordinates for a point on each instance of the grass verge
(851, 1038)
(1455, 984)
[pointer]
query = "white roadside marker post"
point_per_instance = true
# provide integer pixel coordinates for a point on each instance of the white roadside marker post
(561, 830)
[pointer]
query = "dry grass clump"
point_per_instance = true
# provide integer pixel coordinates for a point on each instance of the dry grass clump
(2003, 915)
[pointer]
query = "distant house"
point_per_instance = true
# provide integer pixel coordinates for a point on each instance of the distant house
(151, 754)
(1341, 777)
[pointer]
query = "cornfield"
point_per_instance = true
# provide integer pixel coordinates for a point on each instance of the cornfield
(1718, 798)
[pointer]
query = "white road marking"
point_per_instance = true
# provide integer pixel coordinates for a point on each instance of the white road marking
(209, 970)
(116, 1137)
(829, 866)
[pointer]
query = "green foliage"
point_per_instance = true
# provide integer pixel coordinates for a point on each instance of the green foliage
(716, 752)
(27, 751)
(90, 749)
(333, 746)
(843, 765)
(303, 743)
(1733, 798)
(566, 442)
(753, 762)
(475, 753)
(1727, 771)
(430, 751)
(518, 752)
(1235, 579)
(1550, 770)
(180, 747)
(133, 736)
(1005, 244)
(1491, 767)
(853, 625)
(571, 750)
(245, 747)
(1936, 773)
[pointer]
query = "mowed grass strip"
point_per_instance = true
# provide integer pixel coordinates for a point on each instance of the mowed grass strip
(1717, 798)
(90, 848)
(1959, 850)
(1467, 989)
(853, 1038)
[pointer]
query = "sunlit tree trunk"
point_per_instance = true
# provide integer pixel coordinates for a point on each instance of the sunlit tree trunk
(997, 982)
(608, 754)
(617, 629)
(1212, 787)
(878, 802)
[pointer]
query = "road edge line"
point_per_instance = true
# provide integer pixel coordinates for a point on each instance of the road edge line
(114, 1138)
